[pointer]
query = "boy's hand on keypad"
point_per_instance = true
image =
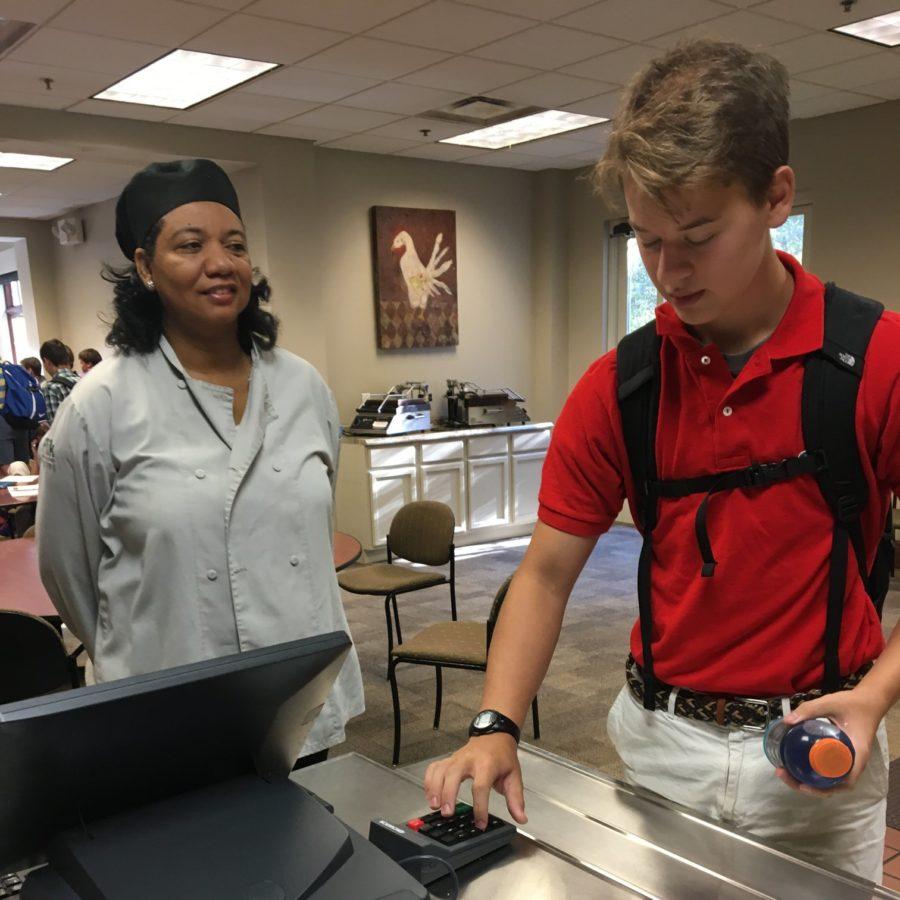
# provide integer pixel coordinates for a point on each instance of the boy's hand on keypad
(490, 760)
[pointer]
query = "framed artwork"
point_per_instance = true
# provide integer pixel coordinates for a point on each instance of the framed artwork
(415, 277)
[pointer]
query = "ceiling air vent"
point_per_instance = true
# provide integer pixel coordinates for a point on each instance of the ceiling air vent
(12, 31)
(482, 111)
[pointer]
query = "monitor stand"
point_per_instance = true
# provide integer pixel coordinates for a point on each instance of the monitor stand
(244, 839)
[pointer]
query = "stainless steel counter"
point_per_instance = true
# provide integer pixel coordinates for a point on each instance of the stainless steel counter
(590, 836)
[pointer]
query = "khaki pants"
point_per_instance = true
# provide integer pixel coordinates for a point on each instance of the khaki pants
(724, 774)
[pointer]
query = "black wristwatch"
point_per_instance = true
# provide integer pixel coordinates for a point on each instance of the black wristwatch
(489, 721)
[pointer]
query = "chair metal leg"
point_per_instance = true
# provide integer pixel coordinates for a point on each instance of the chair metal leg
(390, 628)
(535, 721)
(453, 585)
(397, 618)
(438, 695)
(395, 699)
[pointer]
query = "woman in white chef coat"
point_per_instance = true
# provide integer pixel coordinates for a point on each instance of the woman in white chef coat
(186, 486)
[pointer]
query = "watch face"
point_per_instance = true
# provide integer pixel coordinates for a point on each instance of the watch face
(484, 720)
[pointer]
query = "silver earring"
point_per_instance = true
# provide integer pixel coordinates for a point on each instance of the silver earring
(150, 285)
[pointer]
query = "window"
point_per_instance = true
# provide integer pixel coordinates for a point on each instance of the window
(634, 296)
(12, 331)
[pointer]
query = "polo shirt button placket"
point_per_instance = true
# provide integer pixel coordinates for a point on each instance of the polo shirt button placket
(705, 360)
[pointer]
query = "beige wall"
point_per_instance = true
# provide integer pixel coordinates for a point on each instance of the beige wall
(494, 271)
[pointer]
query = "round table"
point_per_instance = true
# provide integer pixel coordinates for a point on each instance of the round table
(347, 550)
(20, 586)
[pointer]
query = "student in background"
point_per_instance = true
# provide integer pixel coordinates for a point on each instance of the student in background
(88, 359)
(57, 359)
(32, 365)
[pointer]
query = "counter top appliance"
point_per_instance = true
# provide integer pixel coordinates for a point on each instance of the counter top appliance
(469, 405)
(404, 409)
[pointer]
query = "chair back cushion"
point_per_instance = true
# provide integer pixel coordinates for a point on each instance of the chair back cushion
(33, 659)
(422, 532)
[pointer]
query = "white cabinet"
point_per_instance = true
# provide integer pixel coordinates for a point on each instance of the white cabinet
(390, 490)
(488, 491)
(490, 480)
(526, 482)
(446, 482)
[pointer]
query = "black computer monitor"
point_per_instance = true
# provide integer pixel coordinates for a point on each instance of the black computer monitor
(77, 757)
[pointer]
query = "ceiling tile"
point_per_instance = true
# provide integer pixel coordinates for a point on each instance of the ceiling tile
(251, 37)
(123, 110)
(232, 5)
(13, 179)
(67, 84)
(468, 74)
(803, 90)
(575, 162)
(369, 144)
(454, 27)
(370, 58)
(352, 16)
(856, 72)
(242, 112)
(552, 90)
(547, 47)
(743, 27)
(592, 135)
(837, 101)
(407, 99)
(304, 132)
(307, 84)
(637, 20)
(46, 100)
(343, 118)
(617, 66)
(889, 89)
(37, 11)
(533, 9)
(604, 105)
(86, 52)
(810, 51)
(164, 22)
(411, 129)
(442, 152)
(508, 159)
(821, 15)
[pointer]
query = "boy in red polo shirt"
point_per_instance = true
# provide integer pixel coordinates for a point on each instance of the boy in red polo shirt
(700, 151)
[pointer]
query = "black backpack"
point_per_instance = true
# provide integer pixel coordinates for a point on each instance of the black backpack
(828, 408)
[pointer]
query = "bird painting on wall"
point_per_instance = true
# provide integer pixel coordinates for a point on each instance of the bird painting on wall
(416, 267)
(422, 281)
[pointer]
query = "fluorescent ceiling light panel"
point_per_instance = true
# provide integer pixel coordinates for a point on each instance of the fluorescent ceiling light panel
(527, 128)
(883, 30)
(183, 78)
(31, 161)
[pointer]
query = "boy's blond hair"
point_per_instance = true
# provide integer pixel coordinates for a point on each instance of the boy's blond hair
(705, 112)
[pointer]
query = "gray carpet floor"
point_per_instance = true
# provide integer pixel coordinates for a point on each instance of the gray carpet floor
(584, 677)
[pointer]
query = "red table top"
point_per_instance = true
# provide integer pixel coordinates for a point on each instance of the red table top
(20, 586)
(347, 550)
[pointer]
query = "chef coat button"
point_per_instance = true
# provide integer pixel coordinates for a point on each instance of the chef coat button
(727, 411)
(705, 360)
(182, 385)
(212, 574)
(276, 468)
(294, 561)
(200, 473)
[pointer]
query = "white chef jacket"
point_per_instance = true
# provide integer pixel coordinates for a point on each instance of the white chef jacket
(167, 534)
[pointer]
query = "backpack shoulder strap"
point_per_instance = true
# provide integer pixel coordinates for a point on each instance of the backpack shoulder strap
(830, 386)
(828, 409)
(638, 376)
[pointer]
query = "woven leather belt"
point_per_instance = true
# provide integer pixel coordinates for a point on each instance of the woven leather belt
(751, 713)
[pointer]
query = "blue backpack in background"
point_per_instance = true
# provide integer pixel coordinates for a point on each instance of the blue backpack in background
(21, 401)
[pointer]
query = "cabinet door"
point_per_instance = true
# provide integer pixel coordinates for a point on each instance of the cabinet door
(526, 482)
(489, 492)
(391, 489)
(446, 482)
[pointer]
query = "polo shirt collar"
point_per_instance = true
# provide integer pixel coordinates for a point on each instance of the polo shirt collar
(800, 331)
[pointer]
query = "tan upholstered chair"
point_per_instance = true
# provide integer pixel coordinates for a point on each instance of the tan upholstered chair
(453, 645)
(421, 532)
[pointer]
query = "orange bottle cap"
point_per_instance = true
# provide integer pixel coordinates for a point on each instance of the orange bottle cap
(831, 758)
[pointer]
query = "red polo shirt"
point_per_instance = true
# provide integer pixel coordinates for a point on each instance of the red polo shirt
(755, 628)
